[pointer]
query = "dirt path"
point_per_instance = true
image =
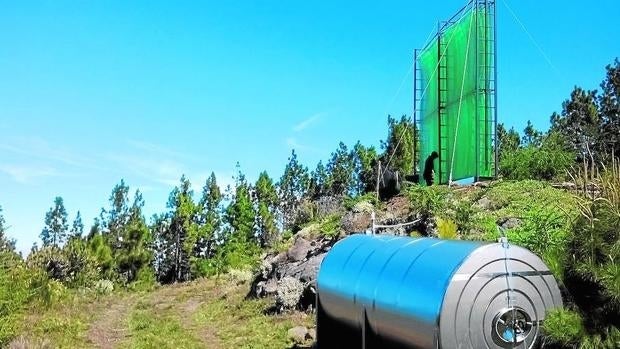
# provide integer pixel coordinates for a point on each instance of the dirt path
(111, 328)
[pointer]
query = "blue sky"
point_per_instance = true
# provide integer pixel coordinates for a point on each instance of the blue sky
(95, 91)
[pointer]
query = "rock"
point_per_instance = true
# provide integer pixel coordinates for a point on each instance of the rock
(312, 334)
(398, 208)
(299, 334)
(305, 272)
(289, 293)
(328, 205)
(266, 288)
(265, 269)
(484, 203)
(311, 231)
(300, 250)
(355, 222)
(511, 223)
(363, 207)
(565, 185)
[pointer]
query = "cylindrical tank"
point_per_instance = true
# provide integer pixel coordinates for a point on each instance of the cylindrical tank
(400, 292)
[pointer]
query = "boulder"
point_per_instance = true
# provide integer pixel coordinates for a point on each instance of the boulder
(328, 205)
(511, 223)
(312, 333)
(266, 288)
(299, 334)
(355, 222)
(363, 207)
(289, 293)
(484, 203)
(299, 251)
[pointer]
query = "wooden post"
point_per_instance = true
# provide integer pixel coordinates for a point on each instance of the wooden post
(378, 178)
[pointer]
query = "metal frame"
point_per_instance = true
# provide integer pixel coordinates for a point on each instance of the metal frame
(486, 84)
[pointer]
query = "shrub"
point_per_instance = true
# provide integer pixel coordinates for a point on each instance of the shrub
(564, 327)
(229, 256)
(52, 261)
(350, 202)
(545, 231)
(536, 163)
(104, 287)
(145, 280)
(330, 226)
(15, 292)
(447, 229)
(428, 201)
(591, 272)
(82, 269)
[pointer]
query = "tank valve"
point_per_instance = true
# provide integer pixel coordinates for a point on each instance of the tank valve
(512, 326)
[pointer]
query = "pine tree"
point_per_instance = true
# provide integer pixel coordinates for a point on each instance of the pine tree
(292, 187)
(340, 170)
(6, 244)
(125, 232)
(317, 185)
(579, 123)
(240, 213)
(177, 234)
(77, 228)
(508, 141)
(116, 218)
(609, 104)
(55, 231)
(208, 218)
(364, 161)
(134, 253)
(531, 136)
(398, 148)
(266, 204)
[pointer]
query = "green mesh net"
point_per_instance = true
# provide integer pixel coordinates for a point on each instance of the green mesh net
(454, 117)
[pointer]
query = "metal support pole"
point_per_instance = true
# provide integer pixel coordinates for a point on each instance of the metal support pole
(415, 108)
(477, 107)
(495, 87)
(374, 224)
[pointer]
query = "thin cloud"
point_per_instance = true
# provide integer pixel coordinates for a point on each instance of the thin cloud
(155, 169)
(26, 174)
(308, 122)
(39, 148)
(158, 150)
(292, 143)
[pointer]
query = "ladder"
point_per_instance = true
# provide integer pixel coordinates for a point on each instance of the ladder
(486, 88)
(442, 115)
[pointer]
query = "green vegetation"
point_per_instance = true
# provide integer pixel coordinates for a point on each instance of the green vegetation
(169, 282)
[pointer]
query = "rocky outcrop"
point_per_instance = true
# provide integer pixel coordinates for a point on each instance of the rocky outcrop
(290, 276)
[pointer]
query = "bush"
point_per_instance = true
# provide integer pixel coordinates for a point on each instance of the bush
(591, 272)
(52, 261)
(82, 270)
(232, 255)
(350, 202)
(563, 326)
(446, 229)
(536, 163)
(14, 294)
(104, 287)
(544, 231)
(145, 280)
(428, 201)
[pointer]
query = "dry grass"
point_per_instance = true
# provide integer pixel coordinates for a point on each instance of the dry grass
(207, 313)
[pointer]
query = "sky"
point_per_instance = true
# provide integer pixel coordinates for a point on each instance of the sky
(92, 92)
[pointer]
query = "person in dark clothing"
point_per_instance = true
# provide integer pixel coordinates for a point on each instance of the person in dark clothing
(429, 168)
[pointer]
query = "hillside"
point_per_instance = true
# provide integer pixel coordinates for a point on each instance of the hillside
(257, 308)
(206, 313)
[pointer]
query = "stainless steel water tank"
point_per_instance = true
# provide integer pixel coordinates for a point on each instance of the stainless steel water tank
(399, 292)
